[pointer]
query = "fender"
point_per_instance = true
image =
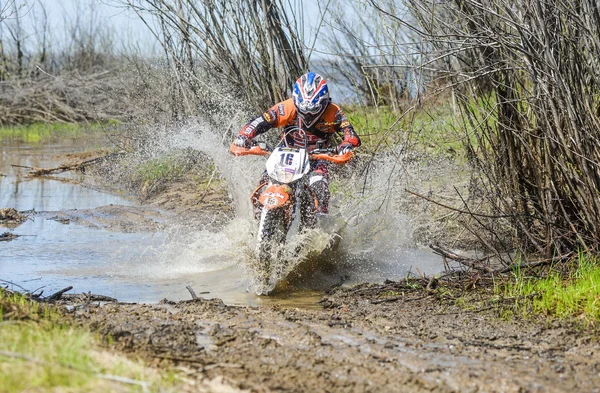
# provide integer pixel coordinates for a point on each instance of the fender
(276, 195)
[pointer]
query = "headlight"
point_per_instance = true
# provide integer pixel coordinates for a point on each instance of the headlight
(284, 174)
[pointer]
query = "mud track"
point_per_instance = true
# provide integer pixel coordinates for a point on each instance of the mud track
(353, 345)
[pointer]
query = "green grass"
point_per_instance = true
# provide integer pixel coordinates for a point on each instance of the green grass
(47, 132)
(372, 124)
(559, 295)
(159, 169)
(432, 127)
(38, 353)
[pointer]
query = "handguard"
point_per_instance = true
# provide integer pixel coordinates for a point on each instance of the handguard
(242, 151)
(336, 159)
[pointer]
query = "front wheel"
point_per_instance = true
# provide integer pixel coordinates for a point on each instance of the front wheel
(271, 236)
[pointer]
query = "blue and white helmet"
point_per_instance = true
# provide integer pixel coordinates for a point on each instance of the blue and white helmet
(311, 97)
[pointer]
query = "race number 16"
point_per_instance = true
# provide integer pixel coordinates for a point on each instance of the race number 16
(287, 159)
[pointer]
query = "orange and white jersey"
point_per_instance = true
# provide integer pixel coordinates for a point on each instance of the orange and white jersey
(284, 114)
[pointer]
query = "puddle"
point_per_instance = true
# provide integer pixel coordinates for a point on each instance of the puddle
(147, 266)
(62, 191)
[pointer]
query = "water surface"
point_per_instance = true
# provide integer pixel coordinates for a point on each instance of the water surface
(150, 266)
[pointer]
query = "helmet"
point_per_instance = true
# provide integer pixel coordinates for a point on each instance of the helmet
(311, 97)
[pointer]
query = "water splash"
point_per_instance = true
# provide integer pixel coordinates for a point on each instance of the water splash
(365, 236)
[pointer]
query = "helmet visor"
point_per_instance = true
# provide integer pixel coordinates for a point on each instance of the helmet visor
(309, 119)
(311, 113)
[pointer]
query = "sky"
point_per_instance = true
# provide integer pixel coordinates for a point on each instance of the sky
(127, 27)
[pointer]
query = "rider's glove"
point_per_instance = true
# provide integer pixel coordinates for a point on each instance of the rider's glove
(242, 141)
(344, 148)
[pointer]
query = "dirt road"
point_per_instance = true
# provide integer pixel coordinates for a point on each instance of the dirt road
(417, 344)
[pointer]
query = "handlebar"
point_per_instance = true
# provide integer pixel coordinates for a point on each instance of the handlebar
(336, 159)
(243, 151)
(316, 154)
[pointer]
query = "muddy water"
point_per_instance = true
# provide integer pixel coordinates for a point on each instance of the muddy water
(149, 266)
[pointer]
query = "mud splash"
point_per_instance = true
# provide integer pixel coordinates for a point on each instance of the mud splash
(364, 237)
(107, 244)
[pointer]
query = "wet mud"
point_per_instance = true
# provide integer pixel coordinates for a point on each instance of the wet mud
(179, 205)
(353, 344)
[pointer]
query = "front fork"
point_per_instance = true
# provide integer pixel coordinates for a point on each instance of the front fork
(298, 194)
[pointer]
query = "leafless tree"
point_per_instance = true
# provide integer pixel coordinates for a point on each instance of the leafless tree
(527, 75)
(384, 61)
(46, 76)
(255, 48)
(8, 9)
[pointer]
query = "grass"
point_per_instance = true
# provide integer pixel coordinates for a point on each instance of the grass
(47, 132)
(151, 176)
(432, 127)
(371, 123)
(159, 169)
(560, 295)
(39, 353)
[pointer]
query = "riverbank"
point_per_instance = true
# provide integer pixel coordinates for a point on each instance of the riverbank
(413, 335)
(40, 351)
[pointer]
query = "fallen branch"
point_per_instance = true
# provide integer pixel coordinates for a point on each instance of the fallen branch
(191, 290)
(58, 294)
(11, 216)
(99, 298)
(89, 297)
(7, 236)
(37, 172)
(469, 262)
(533, 264)
(14, 285)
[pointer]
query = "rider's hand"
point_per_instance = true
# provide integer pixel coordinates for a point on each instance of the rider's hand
(242, 141)
(344, 148)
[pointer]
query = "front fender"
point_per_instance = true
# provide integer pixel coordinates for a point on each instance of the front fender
(276, 195)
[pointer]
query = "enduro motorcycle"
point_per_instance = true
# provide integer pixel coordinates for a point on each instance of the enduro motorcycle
(285, 196)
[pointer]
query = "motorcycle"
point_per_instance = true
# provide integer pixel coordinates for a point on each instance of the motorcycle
(285, 196)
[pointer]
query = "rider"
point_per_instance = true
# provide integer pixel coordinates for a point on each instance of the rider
(310, 109)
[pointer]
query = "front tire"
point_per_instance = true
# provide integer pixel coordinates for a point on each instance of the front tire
(271, 236)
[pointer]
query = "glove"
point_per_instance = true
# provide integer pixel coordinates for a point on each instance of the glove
(344, 148)
(242, 141)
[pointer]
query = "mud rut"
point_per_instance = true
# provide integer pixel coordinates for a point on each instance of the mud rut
(353, 346)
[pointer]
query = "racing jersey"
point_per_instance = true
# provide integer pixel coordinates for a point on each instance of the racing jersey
(284, 114)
